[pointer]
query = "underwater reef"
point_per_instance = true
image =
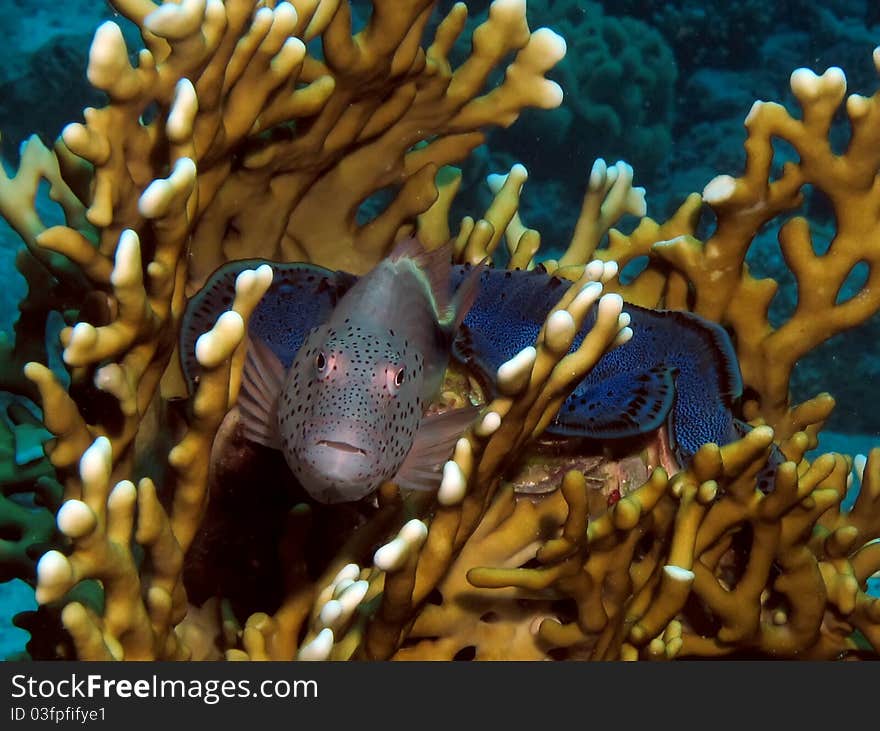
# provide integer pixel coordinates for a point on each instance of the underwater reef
(150, 528)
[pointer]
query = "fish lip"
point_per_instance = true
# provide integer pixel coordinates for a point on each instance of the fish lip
(342, 447)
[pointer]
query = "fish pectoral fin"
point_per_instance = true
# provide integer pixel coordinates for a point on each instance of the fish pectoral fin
(624, 405)
(423, 467)
(261, 382)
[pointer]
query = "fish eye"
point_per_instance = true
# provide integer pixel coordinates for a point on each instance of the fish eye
(400, 377)
(321, 361)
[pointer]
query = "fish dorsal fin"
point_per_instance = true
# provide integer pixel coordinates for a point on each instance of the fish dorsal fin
(435, 265)
(261, 382)
(435, 439)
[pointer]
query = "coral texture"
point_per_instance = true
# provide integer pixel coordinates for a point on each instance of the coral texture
(230, 138)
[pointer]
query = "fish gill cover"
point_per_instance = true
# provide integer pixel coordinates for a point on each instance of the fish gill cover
(140, 522)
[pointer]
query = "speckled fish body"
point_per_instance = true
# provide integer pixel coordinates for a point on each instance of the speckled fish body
(348, 411)
(677, 370)
(356, 391)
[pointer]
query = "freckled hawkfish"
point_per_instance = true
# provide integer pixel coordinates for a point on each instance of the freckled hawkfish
(349, 411)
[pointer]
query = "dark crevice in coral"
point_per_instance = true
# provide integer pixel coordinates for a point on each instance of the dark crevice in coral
(566, 610)
(96, 406)
(236, 555)
(644, 546)
(434, 597)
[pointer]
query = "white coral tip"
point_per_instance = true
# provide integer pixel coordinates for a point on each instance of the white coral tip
(286, 14)
(550, 44)
(391, 556)
(216, 345)
(595, 270)
(513, 375)
(488, 424)
(859, 463)
(255, 280)
(95, 464)
(54, 576)
(719, 190)
(182, 114)
(519, 172)
(75, 519)
(330, 613)
(624, 336)
(350, 571)
(496, 181)
(122, 496)
(319, 648)
(127, 269)
(857, 106)
(394, 554)
(551, 96)
(414, 532)
(611, 270)
(353, 596)
(83, 337)
(678, 574)
(560, 330)
(589, 293)
(339, 588)
(611, 305)
(598, 174)
(453, 486)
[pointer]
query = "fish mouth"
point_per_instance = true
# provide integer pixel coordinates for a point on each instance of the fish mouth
(342, 447)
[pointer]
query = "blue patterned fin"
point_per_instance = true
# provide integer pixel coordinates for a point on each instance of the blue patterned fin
(719, 347)
(301, 297)
(624, 405)
(508, 315)
(505, 318)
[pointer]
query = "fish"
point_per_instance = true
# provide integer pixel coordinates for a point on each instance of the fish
(351, 410)
(678, 370)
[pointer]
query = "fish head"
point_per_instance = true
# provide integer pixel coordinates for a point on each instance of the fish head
(350, 408)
